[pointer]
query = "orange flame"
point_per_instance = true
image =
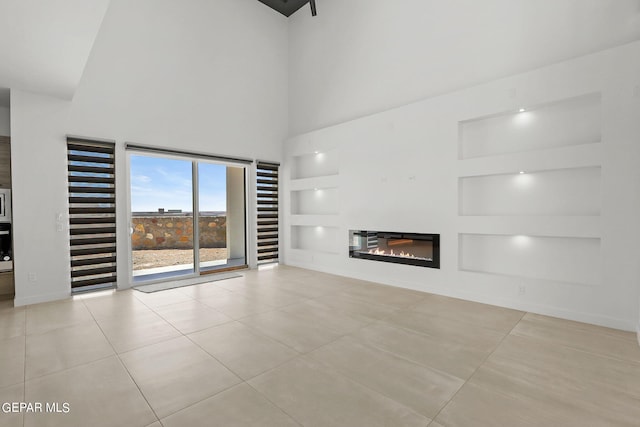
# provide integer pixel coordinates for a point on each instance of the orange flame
(402, 254)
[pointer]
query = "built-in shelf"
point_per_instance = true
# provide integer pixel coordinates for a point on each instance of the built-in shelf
(315, 164)
(315, 238)
(313, 252)
(578, 156)
(549, 226)
(558, 259)
(312, 208)
(317, 201)
(572, 192)
(311, 258)
(328, 181)
(315, 220)
(529, 192)
(527, 128)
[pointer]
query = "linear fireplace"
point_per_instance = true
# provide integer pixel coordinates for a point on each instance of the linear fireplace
(402, 248)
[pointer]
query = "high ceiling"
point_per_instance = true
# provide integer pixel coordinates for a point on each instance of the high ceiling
(285, 7)
(44, 45)
(358, 57)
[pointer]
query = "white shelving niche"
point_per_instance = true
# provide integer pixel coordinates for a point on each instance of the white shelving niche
(530, 192)
(313, 206)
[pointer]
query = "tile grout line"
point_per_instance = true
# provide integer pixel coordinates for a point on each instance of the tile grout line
(351, 334)
(243, 381)
(304, 353)
(332, 369)
(348, 377)
(480, 365)
(232, 371)
(577, 348)
(356, 381)
(122, 364)
(199, 330)
(299, 354)
(202, 400)
(367, 343)
(197, 345)
(70, 368)
(271, 401)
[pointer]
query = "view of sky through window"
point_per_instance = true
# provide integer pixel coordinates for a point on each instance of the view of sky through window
(162, 183)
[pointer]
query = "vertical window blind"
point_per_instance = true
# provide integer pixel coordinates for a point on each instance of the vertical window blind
(267, 195)
(92, 213)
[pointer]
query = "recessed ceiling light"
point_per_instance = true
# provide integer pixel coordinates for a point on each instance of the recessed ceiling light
(521, 172)
(522, 110)
(316, 152)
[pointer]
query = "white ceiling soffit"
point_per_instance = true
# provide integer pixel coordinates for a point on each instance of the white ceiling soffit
(44, 44)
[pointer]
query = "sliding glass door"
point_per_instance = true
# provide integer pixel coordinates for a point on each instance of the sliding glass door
(221, 216)
(188, 217)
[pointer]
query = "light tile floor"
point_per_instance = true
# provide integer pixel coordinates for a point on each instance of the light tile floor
(289, 346)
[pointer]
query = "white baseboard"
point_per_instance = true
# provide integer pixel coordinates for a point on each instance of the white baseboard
(20, 301)
(532, 307)
(638, 332)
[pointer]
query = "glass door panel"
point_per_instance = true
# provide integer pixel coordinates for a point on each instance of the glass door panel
(221, 216)
(162, 232)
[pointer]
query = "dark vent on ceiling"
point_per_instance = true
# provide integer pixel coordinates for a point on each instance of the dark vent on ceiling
(289, 7)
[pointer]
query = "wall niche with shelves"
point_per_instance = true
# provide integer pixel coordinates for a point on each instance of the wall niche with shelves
(312, 211)
(315, 164)
(571, 191)
(525, 173)
(316, 201)
(317, 238)
(559, 259)
(567, 122)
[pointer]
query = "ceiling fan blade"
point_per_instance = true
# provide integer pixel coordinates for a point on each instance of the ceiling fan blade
(314, 12)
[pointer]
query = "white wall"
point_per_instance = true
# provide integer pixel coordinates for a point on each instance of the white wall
(407, 169)
(5, 121)
(359, 57)
(44, 46)
(199, 75)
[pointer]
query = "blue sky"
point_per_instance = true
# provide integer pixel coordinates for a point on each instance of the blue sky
(158, 182)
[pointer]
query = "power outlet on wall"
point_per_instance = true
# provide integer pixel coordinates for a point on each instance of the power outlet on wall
(522, 289)
(59, 222)
(32, 277)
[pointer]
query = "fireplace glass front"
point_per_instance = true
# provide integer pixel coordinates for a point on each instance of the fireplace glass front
(402, 248)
